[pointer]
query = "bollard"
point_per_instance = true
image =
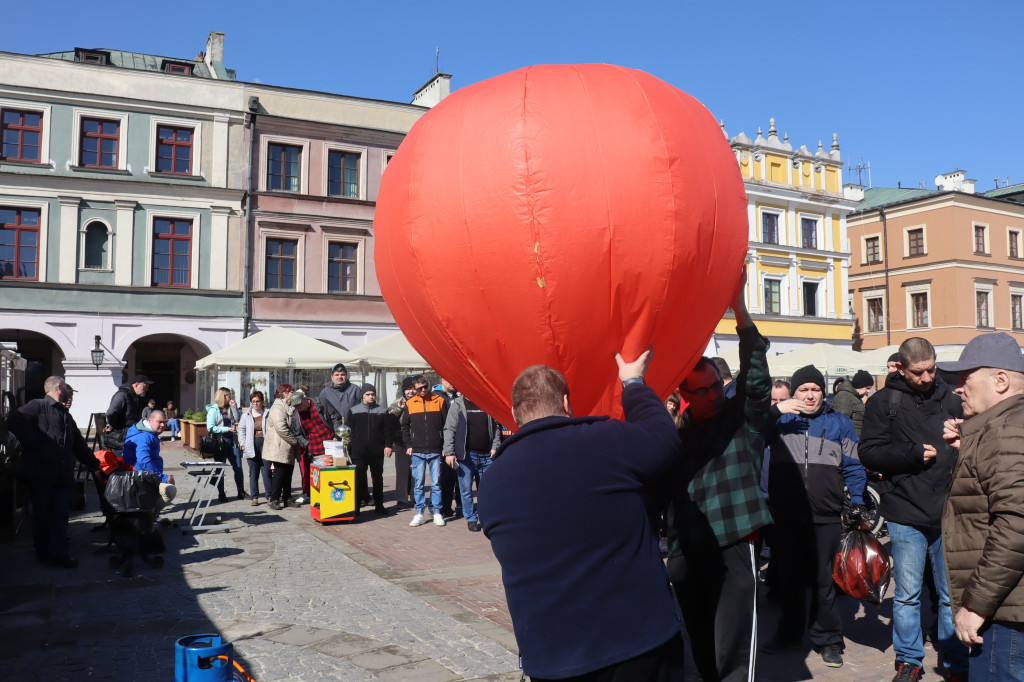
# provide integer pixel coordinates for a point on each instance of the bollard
(203, 658)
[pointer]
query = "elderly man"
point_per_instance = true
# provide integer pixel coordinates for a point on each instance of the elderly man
(142, 451)
(982, 525)
(51, 442)
(585, 600)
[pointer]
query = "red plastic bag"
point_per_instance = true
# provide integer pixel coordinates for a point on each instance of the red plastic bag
(862, 568)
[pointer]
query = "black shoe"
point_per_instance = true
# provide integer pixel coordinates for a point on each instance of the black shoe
(832, 656)
(275, 505)
(447, 513)
(222, 497)
(63, 562)
(473, 526)
(381, 511)
(458, 513)
(241, 494)
(778, 645)
(907, 672)
(292, 503)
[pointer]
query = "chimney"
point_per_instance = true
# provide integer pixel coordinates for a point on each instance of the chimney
(853, 192)
(433, 91)
(214, 49)
(956, 181)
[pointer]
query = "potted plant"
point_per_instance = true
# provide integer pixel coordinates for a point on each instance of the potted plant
(193, 428)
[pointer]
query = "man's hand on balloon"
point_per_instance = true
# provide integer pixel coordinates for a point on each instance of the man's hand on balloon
(635, 369)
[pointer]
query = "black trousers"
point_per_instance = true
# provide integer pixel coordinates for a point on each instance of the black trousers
(717, 593)
(403, 475)
(374, 461)
(282, 490)
(449, 486)
(805, 553)
(663, 663)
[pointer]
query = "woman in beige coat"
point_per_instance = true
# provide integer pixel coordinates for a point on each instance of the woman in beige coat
(280, 447)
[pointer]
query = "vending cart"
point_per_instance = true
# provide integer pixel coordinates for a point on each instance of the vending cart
(332, 493)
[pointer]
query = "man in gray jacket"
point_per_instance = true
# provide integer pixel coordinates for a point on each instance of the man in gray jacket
(471, 437)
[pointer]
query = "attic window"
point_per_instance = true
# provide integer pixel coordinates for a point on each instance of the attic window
(183, 69)
(92, 57)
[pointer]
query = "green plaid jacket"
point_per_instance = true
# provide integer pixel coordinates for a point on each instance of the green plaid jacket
(716, 497)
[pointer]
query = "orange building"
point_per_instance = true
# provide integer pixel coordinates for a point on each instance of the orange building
(945, 264)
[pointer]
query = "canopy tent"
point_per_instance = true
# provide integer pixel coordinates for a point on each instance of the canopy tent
(390, 352)
(831, 360)
(277, 347)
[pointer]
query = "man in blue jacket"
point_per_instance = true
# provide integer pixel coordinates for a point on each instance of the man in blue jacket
(585, 598)
(142, 451)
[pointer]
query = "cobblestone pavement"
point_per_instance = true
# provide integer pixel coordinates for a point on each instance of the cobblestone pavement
(373, 600)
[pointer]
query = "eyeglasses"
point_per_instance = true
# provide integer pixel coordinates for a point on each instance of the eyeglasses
(421, 388)
(703, 391)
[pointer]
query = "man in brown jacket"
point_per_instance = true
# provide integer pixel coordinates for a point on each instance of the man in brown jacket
(982, 524)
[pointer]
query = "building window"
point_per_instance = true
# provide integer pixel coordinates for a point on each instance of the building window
(919, 308)
(876, 318)
(1017, 311)
(1014, 246)
(184, 69)
(99, 143)
(174, 150)
(343, 174)
(980, 232)
(915, 242)
(773, 296)
(95, 251)
(872, 250)
(809, 233)
(19, 243)
(283, 167)
(981, 306)
(22, 135)
(770, 228)
(341, 267)
(810, 299)
(89, 57)
(172, 252)
(281, 264)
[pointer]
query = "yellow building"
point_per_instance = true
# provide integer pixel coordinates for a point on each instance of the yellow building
(798, 257)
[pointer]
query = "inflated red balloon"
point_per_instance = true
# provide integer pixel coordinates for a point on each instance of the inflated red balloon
(556, 215)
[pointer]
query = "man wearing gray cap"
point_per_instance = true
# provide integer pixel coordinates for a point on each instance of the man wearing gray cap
(982, 522)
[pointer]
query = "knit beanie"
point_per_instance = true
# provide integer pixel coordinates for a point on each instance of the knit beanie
(895, 357)
(407, 383)
(807, 375)
(862, 379)
(366, 388)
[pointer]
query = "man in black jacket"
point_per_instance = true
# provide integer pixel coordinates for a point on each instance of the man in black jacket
(373, 433)
(902, 438)
(50, 444)
(124, 411)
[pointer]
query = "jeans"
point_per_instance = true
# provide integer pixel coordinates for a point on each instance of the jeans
(909, 546)
(258, 468)
(1001, 656)
(233, 457)
(470, 468)
(172, 424)
(420, 462)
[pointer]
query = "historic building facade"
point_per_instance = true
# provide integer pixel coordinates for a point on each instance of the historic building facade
(946, 264)
(798, 259)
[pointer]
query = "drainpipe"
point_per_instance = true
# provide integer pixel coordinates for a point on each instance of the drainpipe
(885, 264)
(253, 106)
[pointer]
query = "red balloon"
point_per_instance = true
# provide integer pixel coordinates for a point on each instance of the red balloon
(558, 214)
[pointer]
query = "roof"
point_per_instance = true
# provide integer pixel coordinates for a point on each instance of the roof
(1004, 192)
(883, 196)
(143, 62)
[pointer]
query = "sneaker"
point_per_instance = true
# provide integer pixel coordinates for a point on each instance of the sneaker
(777, 645)
(473, 526)
(907, 672)
(275, 505)
(438, 520)
(301, 499)
(417, 520)
(832, 656)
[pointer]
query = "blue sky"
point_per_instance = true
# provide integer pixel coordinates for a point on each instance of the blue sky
(913, 88)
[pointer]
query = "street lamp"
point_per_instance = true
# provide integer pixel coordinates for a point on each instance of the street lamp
(97, 353)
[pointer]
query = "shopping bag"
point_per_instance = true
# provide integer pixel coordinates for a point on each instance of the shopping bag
(862, 568)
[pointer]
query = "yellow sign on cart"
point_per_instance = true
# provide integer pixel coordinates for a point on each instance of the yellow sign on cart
(332, 493)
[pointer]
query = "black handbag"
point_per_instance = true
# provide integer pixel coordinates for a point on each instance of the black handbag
(212, 444)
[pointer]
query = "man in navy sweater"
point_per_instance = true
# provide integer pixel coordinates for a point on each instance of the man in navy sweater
(585, 598)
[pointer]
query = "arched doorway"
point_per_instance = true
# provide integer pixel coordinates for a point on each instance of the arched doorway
(43, 355)
(169, 360)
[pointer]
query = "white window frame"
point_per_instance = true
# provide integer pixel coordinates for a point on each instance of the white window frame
(820, 299)
(44, 228)
(988, 242)
(1013, 235)
(265, 142)
(122, 136)
(197, 143)
(918, 289)
(819, 232)
(290, 232)
(350, 149)
(360, 242)
(151, 215)
(81, 245)
(924, 240)
(1015, 290)
(783, 281)
(44, 141)
(871, 296)
(864, 249)
(987, 289)
(780, 225)
(385, 156)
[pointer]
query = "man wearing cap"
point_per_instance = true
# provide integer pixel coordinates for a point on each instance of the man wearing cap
(902, 438)
(814, 452)
(982, 521)
(315, 432)
(125, 409)
(339, 397)
(849, 397)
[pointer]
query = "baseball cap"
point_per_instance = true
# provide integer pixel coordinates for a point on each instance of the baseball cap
(998, 350)
(142, 379)
(340, 367)
(297, 396)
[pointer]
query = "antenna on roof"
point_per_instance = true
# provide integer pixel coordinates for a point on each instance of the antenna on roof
(437, 60)
(859, 170)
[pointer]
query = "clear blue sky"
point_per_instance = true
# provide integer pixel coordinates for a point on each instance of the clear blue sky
(914, 88)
